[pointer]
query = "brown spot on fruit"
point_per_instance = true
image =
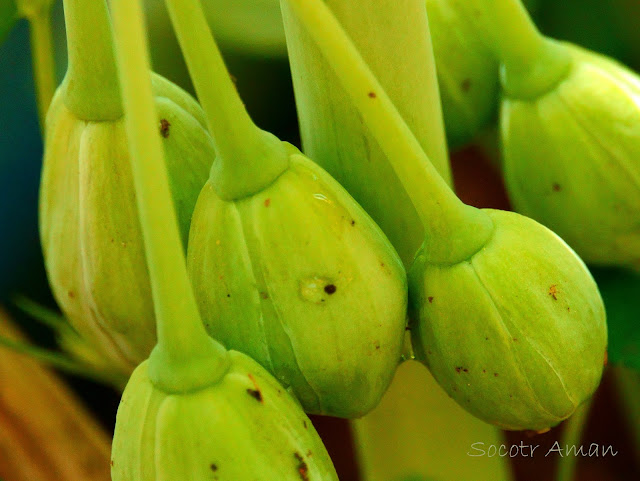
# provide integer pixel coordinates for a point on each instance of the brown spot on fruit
(303, 469)
(164, 128)
(466, 85)
(71, 294)
(255, 393)
(267, 202)
(556, 187)
(264, 295)
(330, 289)
(430, 299)
(213, 467)
(553, 292)
(353, 222)
(372, 95)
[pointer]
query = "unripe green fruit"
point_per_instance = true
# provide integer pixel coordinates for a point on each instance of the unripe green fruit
(245, 427)
(516, 333)
(571, 157)
(89, 225)
(466, 66)
(299, 277)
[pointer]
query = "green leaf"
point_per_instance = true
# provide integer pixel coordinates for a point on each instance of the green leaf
(8, 16)
(620, 290)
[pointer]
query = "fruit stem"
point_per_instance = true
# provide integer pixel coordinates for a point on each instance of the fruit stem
(91, 89)
(186, 358)
(514, 36)
(44, 71)
(453, 230)
(531, 63)
(248, 158)
(573, 431)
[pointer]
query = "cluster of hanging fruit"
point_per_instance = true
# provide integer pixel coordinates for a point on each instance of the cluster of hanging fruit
(249, 287)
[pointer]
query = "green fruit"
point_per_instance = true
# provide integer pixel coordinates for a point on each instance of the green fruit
(89, 225)
(467, 68)
(571, 157)
(516, 333)
(299, 277)
(244, 427)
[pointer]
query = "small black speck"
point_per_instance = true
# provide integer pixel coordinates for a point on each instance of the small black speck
(430, 299)
(256, 394)
(164, 128)
(353, 222)
(213, 467)
(372, 95)
(330, 288)
(228, 295)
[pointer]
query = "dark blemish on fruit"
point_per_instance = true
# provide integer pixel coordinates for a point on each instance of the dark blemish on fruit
(112, 463)
(515, 339)
(465, 370)
(568, 309)
(255, 393)
(372, 95)
(553, 291)
(353, 222)
(330, 288)
(556, 187)
(458, 369)
(71, 294)
(304, 423)
(377, 345)
(486, 338)
(484, 371)
(309, 453)
(495, 374)
(430, 299)
(164, 128)
(466, 85)
(407, 328)
(228, 295)
(303, 469)
(382, 264)
(267, 202)
(264, 295)
(213, 467)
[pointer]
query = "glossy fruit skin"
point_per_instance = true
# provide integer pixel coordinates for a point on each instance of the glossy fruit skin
(516, 334)
(467, 68)
(91, 237)
(244, 427)
(299, 277)
(571, 158)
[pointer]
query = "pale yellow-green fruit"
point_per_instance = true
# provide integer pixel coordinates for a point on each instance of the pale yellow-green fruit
(89, 226)
(467, 68)
(245, 427)
(299, 277)
(572, 157)
(516, 333)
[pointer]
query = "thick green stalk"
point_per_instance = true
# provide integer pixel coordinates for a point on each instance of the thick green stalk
(418, 432)
(43, 60)
(571, 436)
(248, 159)
(91, 89)
(393, 38)
(531, 63)
(186, 358)
(454, 231)
(510, 22)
